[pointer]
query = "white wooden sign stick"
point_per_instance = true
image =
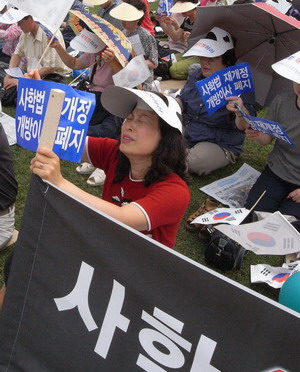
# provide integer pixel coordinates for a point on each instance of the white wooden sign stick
(52, 118)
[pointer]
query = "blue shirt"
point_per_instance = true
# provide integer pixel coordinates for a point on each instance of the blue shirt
(218, 128)
(104, 13)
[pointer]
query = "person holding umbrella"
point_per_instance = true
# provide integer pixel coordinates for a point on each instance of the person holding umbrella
(281, 176)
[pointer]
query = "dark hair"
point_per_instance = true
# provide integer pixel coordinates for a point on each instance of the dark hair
(139, 5)
(188, 1)
(169, 156)
(229, 57)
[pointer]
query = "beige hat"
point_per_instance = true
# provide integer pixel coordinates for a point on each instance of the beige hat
(182, 7)
(126, 12)
(94, 2)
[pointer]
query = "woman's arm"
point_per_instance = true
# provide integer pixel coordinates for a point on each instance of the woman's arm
(47, 166)
(68, 60)
(172, 29)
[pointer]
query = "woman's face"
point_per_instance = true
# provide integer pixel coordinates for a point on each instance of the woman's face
(130, 25)
(191, 14)
(140, 134)
(211, 65)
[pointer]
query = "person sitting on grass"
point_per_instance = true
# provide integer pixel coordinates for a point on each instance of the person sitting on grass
(103, 123)
(181, 34)
(32, 44)
(213, 141)
(146, 183)
(281, 176)
(131, 13)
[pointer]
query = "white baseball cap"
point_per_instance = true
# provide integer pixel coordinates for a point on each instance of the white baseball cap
(182, 7)
(289, 67)
(13, 15)
(126, 12)
(212, 48)
(121, 102)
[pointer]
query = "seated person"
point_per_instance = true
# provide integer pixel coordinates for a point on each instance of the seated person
(32, 44)
(165, 48)
(218, 133)
(102, 66)
(9, 34)
(281, 176)
(145, 170)
(131, 13)
(8, 191)
(181, 33)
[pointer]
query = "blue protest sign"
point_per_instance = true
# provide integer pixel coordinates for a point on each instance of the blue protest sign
(78, 107)
(164, 7)
(267, 126)
(231, 81)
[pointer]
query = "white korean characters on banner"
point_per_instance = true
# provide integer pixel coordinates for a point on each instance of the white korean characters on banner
(160, 328)
(231, 81)
(78, 107)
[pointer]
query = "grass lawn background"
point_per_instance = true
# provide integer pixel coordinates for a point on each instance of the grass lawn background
(187, 243)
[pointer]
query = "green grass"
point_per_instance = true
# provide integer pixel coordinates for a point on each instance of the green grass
(187, 243)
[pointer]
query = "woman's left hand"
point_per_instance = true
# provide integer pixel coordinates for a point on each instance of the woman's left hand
(294, 195)
(46, 165)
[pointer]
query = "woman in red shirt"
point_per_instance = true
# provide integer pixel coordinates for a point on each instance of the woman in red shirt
(146, 174)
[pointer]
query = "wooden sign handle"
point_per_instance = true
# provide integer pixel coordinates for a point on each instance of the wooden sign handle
(52, 118)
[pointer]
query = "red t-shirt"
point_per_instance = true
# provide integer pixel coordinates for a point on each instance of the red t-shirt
(146, 22)
(163, 203)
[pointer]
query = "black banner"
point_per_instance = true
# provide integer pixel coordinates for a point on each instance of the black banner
(89, 294)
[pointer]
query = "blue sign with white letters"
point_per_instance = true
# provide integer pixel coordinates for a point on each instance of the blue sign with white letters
(267, 126)
(77, 110)
(231, 81)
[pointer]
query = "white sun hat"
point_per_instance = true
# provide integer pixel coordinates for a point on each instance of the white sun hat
(182, 7)
(212, 48)
(12, 15)
(126, 12)
(289, 67)
(121, 102)
(92, 3)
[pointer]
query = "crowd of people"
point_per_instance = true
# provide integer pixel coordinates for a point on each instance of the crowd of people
(146, 143)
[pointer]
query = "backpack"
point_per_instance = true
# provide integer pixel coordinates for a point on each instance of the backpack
(224, 253)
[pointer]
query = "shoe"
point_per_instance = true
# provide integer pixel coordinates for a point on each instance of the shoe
(206, 232)
(97, 178)
(85, 168)
(206, 206)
